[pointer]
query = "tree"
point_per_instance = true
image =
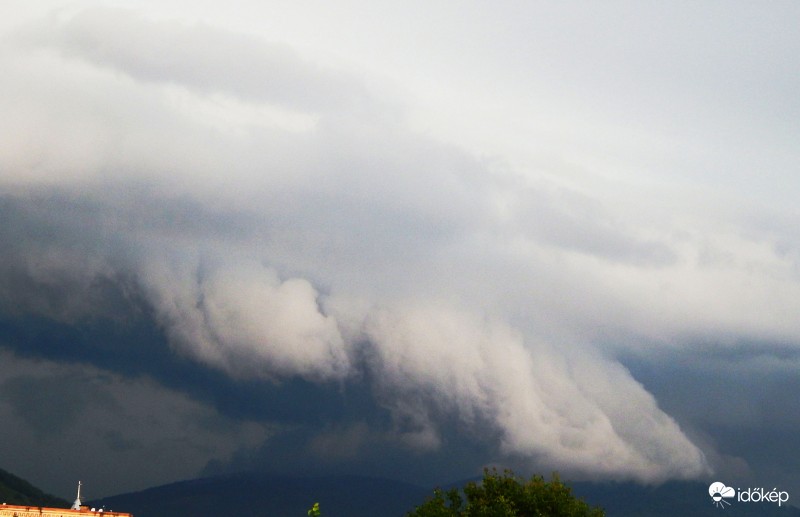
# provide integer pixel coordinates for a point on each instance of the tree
(314, 511)
(505, 495)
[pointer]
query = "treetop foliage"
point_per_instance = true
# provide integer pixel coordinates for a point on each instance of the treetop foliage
(506, 495)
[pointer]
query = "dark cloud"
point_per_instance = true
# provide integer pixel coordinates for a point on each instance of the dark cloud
(99, 426)
(359, 447)
(51, 404)
(739, 399)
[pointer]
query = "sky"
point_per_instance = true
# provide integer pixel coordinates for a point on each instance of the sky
(401, 239)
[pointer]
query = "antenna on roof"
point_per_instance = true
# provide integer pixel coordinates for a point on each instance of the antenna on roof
(77, 504)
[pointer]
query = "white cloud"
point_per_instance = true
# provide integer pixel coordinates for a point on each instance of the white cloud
(197, 56)
(558, 407)
(244, 319)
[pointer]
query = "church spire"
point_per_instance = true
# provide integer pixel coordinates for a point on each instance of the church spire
(77, 504)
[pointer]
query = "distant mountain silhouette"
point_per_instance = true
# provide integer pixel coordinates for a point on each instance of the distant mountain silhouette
(251, 495)
(15, 490)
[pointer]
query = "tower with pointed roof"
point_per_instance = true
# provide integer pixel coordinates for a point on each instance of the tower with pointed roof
(77, 504)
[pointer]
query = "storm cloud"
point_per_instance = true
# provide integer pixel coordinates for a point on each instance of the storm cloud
(251, 216)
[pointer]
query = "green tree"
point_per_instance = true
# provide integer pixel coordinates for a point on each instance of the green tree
(314, 511)
(505, 495)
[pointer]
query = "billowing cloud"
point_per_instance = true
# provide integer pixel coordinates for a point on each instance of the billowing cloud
(247, 321)
(279, 220)
(583, 413)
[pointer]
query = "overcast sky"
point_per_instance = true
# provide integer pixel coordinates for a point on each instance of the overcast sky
(405, 239)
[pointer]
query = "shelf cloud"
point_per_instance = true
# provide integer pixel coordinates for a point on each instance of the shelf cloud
(285, 228)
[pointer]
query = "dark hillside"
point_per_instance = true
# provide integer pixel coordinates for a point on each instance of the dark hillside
(15, 490)
(251, 495)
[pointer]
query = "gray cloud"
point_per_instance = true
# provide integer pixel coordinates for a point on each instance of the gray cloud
(143, 171)
(52, 404)
(198, 57)
(566, 219)
(429, 358)
(98, 426)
